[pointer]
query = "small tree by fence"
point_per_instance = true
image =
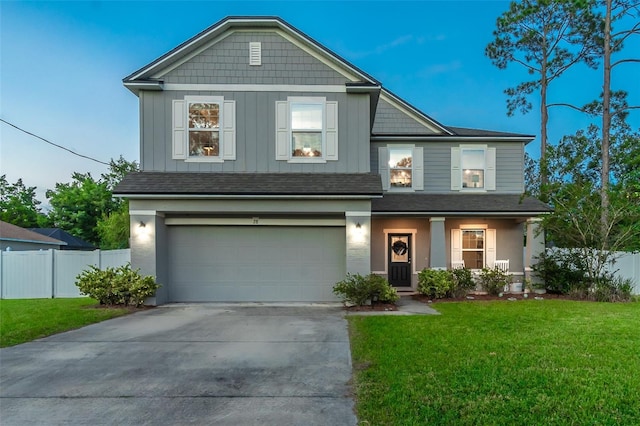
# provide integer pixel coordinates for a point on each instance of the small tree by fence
(51, 273)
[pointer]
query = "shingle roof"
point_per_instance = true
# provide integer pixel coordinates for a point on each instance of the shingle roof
(459, 203)
(16, 233)
(73, 242)
(175, 183)
(464, 131)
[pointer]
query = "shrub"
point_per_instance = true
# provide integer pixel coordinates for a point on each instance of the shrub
(116, 286)
(436, 283)
(358, 290)
(561, 272)
(494, 280)
(463, 280)
(613, 290)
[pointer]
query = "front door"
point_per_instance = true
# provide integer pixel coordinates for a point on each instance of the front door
(400, 260)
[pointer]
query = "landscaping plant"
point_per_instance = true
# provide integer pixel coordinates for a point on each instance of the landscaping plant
(116, 286)
(436, 283)
(494, 280)
(359, 290)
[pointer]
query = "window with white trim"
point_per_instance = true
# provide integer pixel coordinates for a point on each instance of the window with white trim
(473, 248)
(204, 129)
(401, 167)
(475, 245)
(306, 129)
(473, 168)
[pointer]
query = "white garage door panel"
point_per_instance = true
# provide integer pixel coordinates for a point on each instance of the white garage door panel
(255, 263)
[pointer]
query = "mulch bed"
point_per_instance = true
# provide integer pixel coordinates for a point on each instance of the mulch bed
(372, 307)
(485, 297)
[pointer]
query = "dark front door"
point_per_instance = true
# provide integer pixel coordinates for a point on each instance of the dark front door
(400, 260)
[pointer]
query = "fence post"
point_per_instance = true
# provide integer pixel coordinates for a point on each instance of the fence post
(53, 273)
(99, 259)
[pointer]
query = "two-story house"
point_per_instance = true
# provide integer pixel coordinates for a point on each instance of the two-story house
(271, 167)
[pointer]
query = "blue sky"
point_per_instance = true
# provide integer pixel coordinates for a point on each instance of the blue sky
(62, 65)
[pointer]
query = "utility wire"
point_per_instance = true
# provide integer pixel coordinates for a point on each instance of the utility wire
(51, 143)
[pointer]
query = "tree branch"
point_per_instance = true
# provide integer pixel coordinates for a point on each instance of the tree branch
(569, 106)
(621, 61)
(621, 110)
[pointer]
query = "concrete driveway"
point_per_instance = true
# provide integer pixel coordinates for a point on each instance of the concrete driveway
(233, 364)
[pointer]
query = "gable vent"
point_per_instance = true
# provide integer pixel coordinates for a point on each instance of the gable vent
(255, 53)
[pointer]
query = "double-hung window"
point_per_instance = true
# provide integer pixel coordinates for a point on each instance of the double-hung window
(306, 130)
(473, 168)
(204, 129)
(401, 167)
(475, 244)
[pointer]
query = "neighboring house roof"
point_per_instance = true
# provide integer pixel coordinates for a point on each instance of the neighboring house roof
(73, 242)
(269, 184)
(9, 232)
(464, 204)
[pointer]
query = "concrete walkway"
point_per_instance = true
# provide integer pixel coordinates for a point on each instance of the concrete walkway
(406, 306)
(235, 364)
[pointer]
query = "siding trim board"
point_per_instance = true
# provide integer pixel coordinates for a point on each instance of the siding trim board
(327, 88)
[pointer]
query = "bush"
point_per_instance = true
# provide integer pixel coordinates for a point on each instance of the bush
(359, 290)
(463, 280)
(436, 283)
(116, 286)
(561, 272)
(494, 280)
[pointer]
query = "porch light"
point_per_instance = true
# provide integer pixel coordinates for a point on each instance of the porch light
(358, 226)
(142, 224)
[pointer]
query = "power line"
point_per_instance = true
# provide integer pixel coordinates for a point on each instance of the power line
(51, 143)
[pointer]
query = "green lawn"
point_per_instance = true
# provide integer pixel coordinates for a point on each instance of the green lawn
(23, 320)
(496, 363)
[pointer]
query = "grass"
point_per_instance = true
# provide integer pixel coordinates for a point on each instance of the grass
(23, 320)
(494, 363)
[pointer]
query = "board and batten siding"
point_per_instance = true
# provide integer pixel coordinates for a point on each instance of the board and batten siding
(437, 164)
(227, 62)
(255, 134)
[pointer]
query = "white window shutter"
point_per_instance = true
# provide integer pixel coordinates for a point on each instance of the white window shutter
(383, 166)
(490, 252)
(283, 139)
(490, 169)
(456, 174)
(418, 168)
(179, 130)
(456, 245)
(228, 138)
(331, 131)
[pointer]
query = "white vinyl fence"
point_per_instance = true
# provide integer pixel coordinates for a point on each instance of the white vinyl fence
(628, 267)
(51, 273)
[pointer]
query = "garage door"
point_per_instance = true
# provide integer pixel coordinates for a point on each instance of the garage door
(255, 263)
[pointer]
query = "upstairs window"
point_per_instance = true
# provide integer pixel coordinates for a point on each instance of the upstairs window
(307, 122)
(306, 130)
(204, 129)
(400, 167)
(473, 164)
(473, 168)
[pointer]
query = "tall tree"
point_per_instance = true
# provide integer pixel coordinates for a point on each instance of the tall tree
(615, 11)
(546, 37)
(18, 204)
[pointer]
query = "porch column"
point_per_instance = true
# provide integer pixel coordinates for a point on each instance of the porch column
(358, 236)
(437, 250)
(535, 244)
(148, 249)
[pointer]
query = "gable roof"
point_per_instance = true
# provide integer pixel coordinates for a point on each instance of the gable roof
(254, 184)
(73, 242)
(144, 76)
(9, 232)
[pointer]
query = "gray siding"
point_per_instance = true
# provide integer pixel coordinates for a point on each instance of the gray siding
(390, 120)
(227, 62)
(255, 137)
(437, 165)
